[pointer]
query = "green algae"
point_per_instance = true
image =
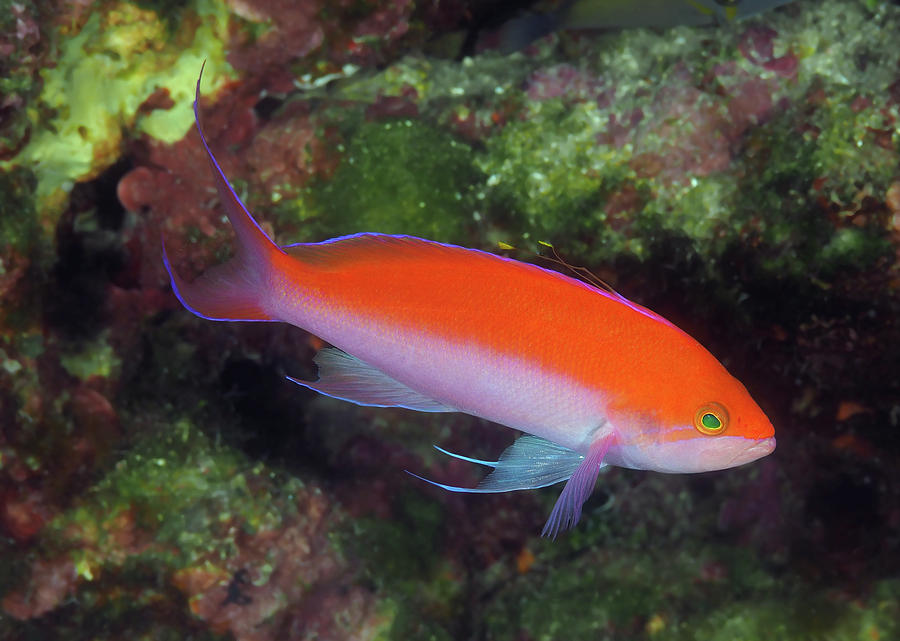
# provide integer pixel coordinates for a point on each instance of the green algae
(549, 179)
(102, 76)
(18, 81)
(195, 498)
(400, 177)
(94, 358)
(846, 151)
(781, 203)
(405, 176)
(658, 591)
(842, 43)
(435, 82)
(138, 615)
(18, 222)
(851, 249)
(799, 616)
(396, 556)
(550, 170)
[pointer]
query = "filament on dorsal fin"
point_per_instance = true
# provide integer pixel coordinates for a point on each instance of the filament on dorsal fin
(581, 272)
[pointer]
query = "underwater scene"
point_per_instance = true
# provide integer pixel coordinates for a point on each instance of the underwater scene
(460, 419)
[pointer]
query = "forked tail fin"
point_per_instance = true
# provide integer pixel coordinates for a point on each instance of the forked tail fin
(235, 290)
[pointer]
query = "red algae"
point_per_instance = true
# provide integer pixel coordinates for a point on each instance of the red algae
(704, 147)
(175, 193)
(294, 32)
(567, 82)
(22, 513)
(758, 46)
(23, 47)
(273, 578)
(51, 582)
(292, 149)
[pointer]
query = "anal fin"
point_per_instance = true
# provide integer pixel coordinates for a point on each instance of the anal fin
(346, 377)
(567, 510)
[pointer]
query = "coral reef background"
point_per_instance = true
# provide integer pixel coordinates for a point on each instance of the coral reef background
(160, 479)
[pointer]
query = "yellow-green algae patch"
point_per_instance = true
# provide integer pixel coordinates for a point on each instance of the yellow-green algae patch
(549, 171)
(399, 561)
(400, 177)
(103, 74)
(96, 358)
(17, 224)
(195, 497)
(645, 565)
(552, 174)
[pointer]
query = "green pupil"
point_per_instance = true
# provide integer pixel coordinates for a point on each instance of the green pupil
(710, 421)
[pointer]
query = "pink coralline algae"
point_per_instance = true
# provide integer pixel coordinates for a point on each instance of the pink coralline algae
(389, 21)
(295, 31)
(403, 106)
(372, 39)
(699, 128)
(277, 580)
(22, 512)
(567, 82)
(758, 46)
(55, 429)
(173, 191)
(698, 137)
(21, 57)
(51, 581)
(300, 28)
(291, 149)
(750, 99)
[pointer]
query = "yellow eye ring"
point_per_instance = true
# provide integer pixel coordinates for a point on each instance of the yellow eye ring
(711, 418)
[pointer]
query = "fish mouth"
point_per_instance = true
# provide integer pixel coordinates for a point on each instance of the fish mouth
(766, 446)
(758, 450)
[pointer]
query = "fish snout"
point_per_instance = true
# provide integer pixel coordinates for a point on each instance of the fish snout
(758, 449)
(765, 446)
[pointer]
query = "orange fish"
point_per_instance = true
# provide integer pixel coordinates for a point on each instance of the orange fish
(592, 378)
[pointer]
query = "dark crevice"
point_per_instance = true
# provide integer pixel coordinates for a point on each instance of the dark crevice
(89, 254)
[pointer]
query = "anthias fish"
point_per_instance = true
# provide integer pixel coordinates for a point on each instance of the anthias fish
(592, 378)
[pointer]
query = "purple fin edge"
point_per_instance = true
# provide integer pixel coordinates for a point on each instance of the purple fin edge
(567, 510)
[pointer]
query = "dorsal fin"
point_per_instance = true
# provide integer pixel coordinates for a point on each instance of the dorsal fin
(335, 252)
(579, 272)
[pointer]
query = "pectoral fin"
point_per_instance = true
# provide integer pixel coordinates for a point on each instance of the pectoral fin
(346, 377)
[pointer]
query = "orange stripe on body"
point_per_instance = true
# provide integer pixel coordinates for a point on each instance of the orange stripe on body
(514, 308)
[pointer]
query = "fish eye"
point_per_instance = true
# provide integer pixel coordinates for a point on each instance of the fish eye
(711, 418)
